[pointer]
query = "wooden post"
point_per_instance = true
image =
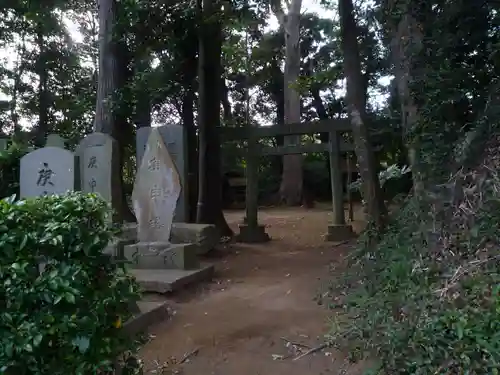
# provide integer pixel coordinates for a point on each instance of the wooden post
(348, 188)
(251, 231)
(252, 188)
(336, 180)
(337, 230)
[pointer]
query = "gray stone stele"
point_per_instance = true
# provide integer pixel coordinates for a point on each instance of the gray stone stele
(175, 140)
(55, 140)
(156, 192)
(47, 171)
(100, 167)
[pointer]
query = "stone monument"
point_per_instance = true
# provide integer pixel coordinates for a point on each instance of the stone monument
(100, 173)
(156, 191)
(55, 140)
(174, 139)
(47, 171)
(100, 167)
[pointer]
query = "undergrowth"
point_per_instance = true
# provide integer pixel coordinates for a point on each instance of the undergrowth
(426, 300)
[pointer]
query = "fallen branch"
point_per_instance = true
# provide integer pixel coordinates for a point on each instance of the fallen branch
(189, 355)
(296, 343)
(313, 350)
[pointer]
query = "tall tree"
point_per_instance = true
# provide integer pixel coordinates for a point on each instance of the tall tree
(291, 180)
(209, 208)
(107, 87)
(356, 101)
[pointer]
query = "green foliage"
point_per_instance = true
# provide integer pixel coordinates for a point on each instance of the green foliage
(65, 317)
(427, 300)
(390, 172)
(9, 169)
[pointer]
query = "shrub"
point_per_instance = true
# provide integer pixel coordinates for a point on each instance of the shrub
(426, 300)
(65, 317)
(9, 169)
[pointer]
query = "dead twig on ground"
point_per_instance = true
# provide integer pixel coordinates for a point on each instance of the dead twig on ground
(296, 343)
(188, 355)
(313, 350)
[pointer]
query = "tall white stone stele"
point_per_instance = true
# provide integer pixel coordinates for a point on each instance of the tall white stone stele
(156, 190)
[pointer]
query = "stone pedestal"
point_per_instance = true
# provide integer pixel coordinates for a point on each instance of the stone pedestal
(115, 248)
(204, 236)
(162, 255)
(341, 232)
(252, 234)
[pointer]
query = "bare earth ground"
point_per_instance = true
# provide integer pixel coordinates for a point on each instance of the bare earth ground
(261, 294)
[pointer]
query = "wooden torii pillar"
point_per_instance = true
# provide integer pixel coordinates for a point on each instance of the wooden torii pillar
(338, 230)
(252, 231)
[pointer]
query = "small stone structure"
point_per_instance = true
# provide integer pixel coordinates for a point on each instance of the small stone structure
(156, 191)
(47, 171)
(55, 140)
(174, 138)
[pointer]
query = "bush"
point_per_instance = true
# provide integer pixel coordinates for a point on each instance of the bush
(9, 169)
(66, 317)
(426, 300)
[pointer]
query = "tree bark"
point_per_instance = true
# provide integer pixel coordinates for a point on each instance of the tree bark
(107, 85)
(356, 100)
(406, 43)
(292, 177)
(209, 209)
(43, 100)
(190, 70)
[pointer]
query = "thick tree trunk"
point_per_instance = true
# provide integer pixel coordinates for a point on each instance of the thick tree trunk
(43, 100)
(292, 177)
(108, 70)
(405, 45)
(209, 208)
(143, 97)
(107, 85)
(356, 100)
(276, 88)
(190, 50)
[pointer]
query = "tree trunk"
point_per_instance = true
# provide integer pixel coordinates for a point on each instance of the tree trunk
(143, 96)
(356, 100)
(43, 100)
(406, 43)
(108, 73)
(226, 104)
(291, 179)
(209, 208)
(190, 70)
(107, 85)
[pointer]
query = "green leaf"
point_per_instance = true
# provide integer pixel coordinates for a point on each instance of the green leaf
(82, 343)
(37, 340)
(69, 297)
(23, 243)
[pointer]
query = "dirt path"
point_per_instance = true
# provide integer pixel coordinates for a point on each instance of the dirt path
(261, 293)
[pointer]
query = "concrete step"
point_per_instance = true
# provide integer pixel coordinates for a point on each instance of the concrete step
(171, 280)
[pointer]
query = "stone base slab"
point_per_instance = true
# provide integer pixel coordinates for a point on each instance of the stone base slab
(252, 234)
(116, 248)
(149, 313)
(165, 281)
(162, 255)
(339, 233)
(205, 236)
